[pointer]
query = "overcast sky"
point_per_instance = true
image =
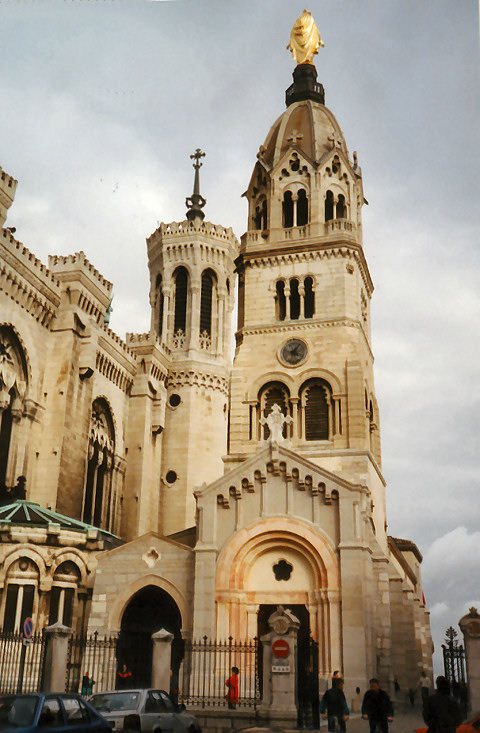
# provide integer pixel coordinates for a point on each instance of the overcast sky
(102, 105)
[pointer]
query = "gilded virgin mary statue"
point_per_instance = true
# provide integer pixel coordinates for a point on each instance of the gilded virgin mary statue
(304, 39)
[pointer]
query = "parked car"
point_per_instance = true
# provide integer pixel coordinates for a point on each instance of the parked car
(50, 711)
(143, 710)
(469, 726)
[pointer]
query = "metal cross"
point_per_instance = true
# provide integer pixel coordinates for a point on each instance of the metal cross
(197, 155)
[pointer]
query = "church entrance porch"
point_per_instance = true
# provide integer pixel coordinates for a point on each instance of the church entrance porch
(149, 610)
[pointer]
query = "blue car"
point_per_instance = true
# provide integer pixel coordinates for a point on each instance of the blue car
(50, 711)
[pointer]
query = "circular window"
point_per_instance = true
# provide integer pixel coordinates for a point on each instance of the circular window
(171, 477)
(174, 400)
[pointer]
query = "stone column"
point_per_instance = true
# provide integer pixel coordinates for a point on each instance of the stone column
(470, 626)
(161, 660)
(278, 705)
(56, 657)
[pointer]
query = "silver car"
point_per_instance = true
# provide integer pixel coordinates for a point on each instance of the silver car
(131, 711)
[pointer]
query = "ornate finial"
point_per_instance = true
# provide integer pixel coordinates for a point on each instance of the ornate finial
(304, 39)
(196, 202)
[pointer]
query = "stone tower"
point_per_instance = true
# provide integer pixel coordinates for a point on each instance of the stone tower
(303, 339)
(191, 294)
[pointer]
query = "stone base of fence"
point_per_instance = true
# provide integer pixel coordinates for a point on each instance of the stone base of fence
(221, 721)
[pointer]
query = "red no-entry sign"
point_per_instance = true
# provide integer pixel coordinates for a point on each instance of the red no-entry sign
(281, 648)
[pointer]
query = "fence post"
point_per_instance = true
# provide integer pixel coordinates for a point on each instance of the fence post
(57, 636)
(161, 659)
(470, 626)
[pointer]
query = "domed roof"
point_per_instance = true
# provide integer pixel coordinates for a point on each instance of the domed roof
(307, 124)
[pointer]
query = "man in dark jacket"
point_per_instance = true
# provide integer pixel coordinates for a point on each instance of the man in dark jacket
(335, 706)
(441, 711)
(377, 707)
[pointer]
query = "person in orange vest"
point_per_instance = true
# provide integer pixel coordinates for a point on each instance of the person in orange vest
(232, 685)
(124, 678)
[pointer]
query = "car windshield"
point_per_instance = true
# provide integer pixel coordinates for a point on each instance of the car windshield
(17, 711)
(110, 701)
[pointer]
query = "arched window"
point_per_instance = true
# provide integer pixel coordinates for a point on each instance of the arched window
(341, 207)
(287, 209)
(21, 590)
(329, 206)
(206, 302)
(99, 500)
(309, 298)
(181, 294)
(302, 208)
(271, 394)
(159, 304)
(294, 299)
(316, 409)
(260, 218)
(62, 595)
(280, 301)
(13, 385)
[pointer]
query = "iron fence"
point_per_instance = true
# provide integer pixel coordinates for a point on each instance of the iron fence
(21, 662)
(92, 656)
(206, 665)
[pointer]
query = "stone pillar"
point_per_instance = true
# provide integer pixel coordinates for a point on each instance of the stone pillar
(278, 705)
(161, 659)
(56, 657)
(470, 626)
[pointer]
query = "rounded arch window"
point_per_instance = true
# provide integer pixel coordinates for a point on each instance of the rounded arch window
(274, 393)
(329, 206)
(21, 593)
(302, 208)
(309, 302)
(287, 210)
(180, 277)
(62, 596)
(159, 303)
(206, 302)
(341, 207)
(316, 409)
(280, 301)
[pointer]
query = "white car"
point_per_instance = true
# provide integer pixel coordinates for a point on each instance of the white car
(131, 711)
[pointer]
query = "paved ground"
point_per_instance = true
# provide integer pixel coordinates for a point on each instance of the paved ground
(405, 721)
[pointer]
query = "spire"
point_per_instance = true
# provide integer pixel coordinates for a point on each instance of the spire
(196, 202)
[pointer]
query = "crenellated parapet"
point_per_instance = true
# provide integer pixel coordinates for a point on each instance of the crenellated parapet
(82, 284)
(8, 186)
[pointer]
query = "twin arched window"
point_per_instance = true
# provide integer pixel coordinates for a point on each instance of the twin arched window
(99, 499)
(314, 413)
(260, 217)
(298, 296)
(335, 209)
(295, 209)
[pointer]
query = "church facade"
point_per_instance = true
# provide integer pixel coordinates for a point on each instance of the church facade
(150, 483)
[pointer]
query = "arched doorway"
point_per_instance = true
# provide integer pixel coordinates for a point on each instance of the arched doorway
(149, 610)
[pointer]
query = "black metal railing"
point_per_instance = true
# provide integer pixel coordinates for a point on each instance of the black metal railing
(207, 665)
(21, 662)
(91, 656)
(453, 657)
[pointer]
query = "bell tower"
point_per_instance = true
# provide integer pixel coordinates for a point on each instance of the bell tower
(192, 276)
(303, 338)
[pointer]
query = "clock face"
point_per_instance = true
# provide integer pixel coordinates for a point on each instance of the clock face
(293, 352)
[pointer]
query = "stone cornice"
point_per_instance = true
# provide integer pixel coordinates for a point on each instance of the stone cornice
(35, 299)
(310, 325)
(304, 252)
(196, 378)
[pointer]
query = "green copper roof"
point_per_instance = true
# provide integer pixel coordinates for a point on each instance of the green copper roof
(29, 513)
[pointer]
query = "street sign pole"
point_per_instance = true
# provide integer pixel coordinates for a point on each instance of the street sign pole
(27, 637)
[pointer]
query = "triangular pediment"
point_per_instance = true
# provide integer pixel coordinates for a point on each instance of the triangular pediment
(150, 541)
(274, 458)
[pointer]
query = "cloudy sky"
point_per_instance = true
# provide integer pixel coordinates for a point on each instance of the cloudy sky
(102, 104)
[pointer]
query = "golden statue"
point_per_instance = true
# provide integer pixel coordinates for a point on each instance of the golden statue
(304, 39)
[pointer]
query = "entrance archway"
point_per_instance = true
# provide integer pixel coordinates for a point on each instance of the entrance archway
(149, 610)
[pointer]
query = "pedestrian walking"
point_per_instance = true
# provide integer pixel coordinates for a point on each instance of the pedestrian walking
(333, 706)
(424, 684)
(441, 711)
(377, 707)
(124, 678)
(232, 688)
(87, 685)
